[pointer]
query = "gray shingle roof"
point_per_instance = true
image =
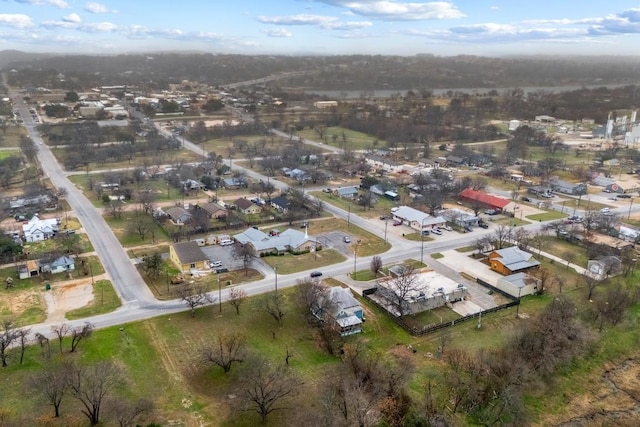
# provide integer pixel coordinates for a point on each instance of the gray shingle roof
(516, 259)
(189, 252)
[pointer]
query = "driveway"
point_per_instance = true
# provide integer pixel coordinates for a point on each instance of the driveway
(335, 240)
(226, 255)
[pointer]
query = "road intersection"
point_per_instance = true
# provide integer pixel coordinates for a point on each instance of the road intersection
(138, 301)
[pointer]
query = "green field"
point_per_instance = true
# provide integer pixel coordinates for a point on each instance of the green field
(343, 137)
(288, 264)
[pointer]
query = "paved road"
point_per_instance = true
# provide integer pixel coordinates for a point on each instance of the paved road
(140, 304)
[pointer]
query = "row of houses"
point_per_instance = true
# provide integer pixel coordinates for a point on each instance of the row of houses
(52, 265)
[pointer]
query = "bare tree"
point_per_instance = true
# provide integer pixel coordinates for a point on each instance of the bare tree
(80, 333)
(245, 252)
(402, 286)
(91, 384)
(308, 293)
(569, 257)
(274, 306)
(236, 297)
(61, 331)
(22, 334)
(126, 411)
(194, 295)
(501, 235)
(226, 350)
(267, 387)
(146, 197)
(376, 265)
(52, 384)
(7, 337)
(545, 277)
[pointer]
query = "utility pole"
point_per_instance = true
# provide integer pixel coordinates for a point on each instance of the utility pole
(630, 205)
(275, 269)
(422, 241)
(385, 229)
(219, 292)
(349, 216)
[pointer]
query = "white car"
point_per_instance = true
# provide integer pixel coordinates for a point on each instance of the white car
(216, 264)
(436, 231)
(446, 227)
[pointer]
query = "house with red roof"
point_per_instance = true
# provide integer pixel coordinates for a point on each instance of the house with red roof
(484, 199)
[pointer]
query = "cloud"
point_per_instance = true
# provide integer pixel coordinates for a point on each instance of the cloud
(89, 27)
(394, 10)
(297, 19)
(73, 17)
(278, 32)
(93, 7)
(326, 22)
(56, 3)
(15, 20)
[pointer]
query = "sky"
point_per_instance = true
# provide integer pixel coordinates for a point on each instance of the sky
(324, 27)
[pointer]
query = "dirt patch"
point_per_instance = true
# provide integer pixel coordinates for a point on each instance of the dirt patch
(15, 304)
(63, 298)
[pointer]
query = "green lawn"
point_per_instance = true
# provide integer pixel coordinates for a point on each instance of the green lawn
(155, 235)
(546, 216)
(382, 206)
(334, 136)
(105, 300)
(516, 222)
(288, 264)
(418, 237)
(560, 247)
(437, 255)
(363, 275)
(8, 153)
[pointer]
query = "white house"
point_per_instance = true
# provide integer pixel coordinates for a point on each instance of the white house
(416, 219)
(37, 230)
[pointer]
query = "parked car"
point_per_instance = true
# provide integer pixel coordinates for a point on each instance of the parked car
(216, 263)
(425, 232)
(446, 227)
(383, 217)
(222, 270)
(436, 231)
(624, 196)
(316, 273)
(397, 223)
(346, 239)
(468, 229)
(605, 210)
(491, 212)
(326, 190)
(526, 199)
(483, 225)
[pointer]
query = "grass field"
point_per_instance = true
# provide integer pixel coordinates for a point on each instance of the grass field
(155, 235)
(370, 244)
(105, 300)
(288, 264)
(341, 137)
(8, 153)
(547, 216)
(381, 207)
(417, 237)
(560, 247)
(11, 138)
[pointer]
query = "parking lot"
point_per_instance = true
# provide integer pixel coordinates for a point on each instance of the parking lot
(335, 240)
(223, 254)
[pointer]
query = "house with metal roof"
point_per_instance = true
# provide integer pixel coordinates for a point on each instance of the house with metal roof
(512, 260)
(459, 217)
(188, 257)
(280, 203)
(37, 230)
(290, 240)
(416, 219)
(518, 285)
(347, 192)
(338, 306)
(560, 186)
(484, 199)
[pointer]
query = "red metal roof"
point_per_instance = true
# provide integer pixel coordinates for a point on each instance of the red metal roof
(484, 198)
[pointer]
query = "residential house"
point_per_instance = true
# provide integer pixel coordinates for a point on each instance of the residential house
(430, 290)
(385, 164)
(178, 215)
(511, 260)
(338, 306)
(289, 240)
(518, 285)
(416, 219)
(483, 199)
(604, 267)
(188, 257)
(246, 206)
(347, 192)
(564, 187)
(213, 210)
(37, 230)
(192, 185)
(59, 264)
(280, 203)
(459, 217)
(233, 183)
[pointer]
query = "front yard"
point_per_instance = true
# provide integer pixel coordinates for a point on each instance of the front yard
(288, 264)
